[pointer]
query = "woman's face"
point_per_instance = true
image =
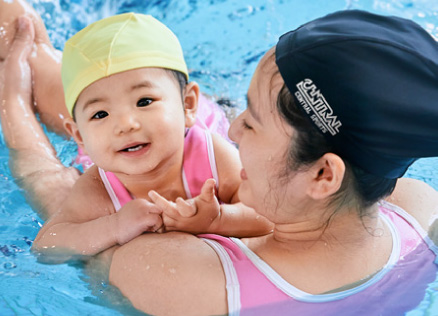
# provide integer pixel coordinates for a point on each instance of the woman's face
(264, 139)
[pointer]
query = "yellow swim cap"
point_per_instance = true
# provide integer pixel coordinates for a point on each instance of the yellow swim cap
(116, 44)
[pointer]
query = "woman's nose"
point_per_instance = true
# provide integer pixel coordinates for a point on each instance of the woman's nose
(127, 122)
(234, 131)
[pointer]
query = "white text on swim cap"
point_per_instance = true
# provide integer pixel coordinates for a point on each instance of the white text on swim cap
(316, 106)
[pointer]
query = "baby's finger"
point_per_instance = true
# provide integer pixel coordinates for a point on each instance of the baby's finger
(152, 208)
(168, 208)
(155, 222)
(186, 208)
(207, 191)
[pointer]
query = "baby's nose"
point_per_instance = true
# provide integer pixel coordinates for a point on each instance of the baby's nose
(126, 123)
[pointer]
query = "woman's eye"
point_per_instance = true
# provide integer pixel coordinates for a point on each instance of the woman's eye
(100, 115)
(245, 125)
(144, 102)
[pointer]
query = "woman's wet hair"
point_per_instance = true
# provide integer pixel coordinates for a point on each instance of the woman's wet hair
(359, 188)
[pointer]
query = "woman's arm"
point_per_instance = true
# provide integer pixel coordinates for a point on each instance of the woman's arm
(170, 274)
(32, 158)
(44, 60)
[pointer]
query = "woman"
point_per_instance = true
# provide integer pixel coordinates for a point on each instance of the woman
(318, 174)
(334, 249)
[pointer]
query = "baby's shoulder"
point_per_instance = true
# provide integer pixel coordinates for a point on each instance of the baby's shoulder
(90, 179)
(89, 190)
(228, 168)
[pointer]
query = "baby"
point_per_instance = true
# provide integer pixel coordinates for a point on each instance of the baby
(134, 114)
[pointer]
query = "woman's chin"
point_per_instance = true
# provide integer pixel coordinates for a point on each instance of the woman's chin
(245, 196)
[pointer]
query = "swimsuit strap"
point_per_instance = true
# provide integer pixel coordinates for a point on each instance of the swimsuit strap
(115, 188)
(199, 162)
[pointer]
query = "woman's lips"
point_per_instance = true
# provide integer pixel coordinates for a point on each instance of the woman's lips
(243, 174)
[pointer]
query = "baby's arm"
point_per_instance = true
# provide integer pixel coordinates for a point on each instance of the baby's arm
(204, 214)
(87, 223)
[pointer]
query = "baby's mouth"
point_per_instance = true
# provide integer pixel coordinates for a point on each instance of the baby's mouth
(135, 148)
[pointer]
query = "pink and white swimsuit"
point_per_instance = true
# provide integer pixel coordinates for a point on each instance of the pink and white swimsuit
(254, 288)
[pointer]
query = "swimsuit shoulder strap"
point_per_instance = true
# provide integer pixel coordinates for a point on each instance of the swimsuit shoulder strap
(115, 188)
(199, 162)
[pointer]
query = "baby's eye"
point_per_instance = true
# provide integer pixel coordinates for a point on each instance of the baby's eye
(144, 102)
(99, 115)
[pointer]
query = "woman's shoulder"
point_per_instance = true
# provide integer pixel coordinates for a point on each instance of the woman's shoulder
(418, 199)
(152, 268)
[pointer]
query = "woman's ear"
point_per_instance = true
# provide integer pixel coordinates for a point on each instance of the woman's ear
(191, 97)
(327, 176)
(72, 129)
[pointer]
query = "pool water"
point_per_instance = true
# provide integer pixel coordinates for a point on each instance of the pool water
(222, 41)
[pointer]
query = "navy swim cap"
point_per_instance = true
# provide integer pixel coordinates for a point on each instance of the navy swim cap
(369, 83)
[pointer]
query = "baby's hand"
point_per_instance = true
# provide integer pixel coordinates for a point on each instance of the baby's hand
(134, 218)
(194, 215)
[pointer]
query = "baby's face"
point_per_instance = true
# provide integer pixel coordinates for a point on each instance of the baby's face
(132, 122)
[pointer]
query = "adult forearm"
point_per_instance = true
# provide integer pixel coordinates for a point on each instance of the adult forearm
(46, 183)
